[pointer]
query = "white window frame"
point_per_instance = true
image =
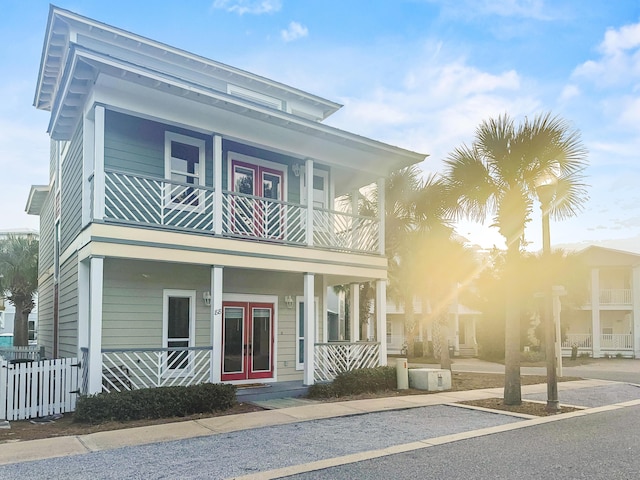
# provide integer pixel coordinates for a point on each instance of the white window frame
(195, 142)
(299, 301)
(166, 294)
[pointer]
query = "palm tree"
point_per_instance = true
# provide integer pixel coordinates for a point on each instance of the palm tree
(19, 280)
(498, 175)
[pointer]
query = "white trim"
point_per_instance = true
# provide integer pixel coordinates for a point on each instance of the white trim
(98, 164)
(168, 171)
(253, 96)
(191, 294)
(309, 327)
(216, 322)
(96, 279)
(300, 301)
(258, 162)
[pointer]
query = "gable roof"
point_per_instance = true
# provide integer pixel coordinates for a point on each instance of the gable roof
(600, 256)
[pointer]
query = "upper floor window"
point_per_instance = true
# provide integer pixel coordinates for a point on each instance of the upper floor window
(184, 168)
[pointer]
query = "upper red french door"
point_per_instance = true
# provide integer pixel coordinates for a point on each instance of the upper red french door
(259, 217)
(247, 340)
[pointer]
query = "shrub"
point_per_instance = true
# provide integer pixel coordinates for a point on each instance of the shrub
(155, 403)
(532, 357)
(364, 380)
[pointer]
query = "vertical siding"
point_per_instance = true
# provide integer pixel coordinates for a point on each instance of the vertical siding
(68, 308)
(71, 191)
(45, 315)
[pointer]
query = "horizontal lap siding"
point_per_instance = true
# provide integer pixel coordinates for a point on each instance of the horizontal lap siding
(45, 315)
(45, 257)
(71, 192)
(68, 308)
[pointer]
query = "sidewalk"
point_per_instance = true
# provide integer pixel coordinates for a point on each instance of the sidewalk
(586, 393)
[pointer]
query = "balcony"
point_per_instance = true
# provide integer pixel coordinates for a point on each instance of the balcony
(615, 296)
(151, 201)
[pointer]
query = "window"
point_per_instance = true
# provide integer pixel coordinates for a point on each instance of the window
(300, 330)
(32, 330)
(179, 328)
(184, 168)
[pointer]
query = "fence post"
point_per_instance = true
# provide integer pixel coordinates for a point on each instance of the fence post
(4, 372)
(41, 354)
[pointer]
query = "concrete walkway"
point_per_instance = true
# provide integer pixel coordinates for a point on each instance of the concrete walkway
(599, 392)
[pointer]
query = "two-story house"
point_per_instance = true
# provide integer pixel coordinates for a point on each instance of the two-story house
(190, 227)
(609, 322)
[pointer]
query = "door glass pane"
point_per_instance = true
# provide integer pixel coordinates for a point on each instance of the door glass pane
(243, 180)
(261, 340)
(178, 321)
(233, 339)
(271, 186)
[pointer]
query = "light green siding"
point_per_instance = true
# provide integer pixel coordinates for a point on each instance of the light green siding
(45, 315)
(68, 308)
(71, 191)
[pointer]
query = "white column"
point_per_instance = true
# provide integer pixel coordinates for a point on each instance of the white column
(84, 272)
(216, 323)
(98, 164)
(308, 176)
(635, 313)
(309, 328)
(595, 312)
(324, 310)
(354, 311)
(88, 151)
(381, 318)
(96, 279)
(381, 214)
(217, 184)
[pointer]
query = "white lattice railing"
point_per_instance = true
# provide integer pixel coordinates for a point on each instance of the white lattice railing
(154, 201)
(615, 296)
(345, 231)
(581, 340)
(132, 369)
(249, 216)
(616, 341)
(334, 358)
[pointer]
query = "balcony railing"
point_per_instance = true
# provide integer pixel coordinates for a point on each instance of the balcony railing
(615, 296)
(132, 369)
(153, 201)
(334, 358)
(608, 341)
(581, 340)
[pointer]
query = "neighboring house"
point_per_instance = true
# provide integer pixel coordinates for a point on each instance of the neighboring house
(188, 228)
(609, 322)
(7, 310)
(461, 328)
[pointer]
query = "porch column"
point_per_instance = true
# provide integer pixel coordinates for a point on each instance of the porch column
(84, 272)
(98, 164)
(324, 309)
(381, 318)
(595, 313)
(354, 311)
(217, 185)
(381, 215)
(96, 279)
(308, 177)
(309, 328)
(88, 151)
(635, 313)
(216, 323)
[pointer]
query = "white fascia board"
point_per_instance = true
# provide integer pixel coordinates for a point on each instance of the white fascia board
(396, 156)
(37, 195)
(85, 24)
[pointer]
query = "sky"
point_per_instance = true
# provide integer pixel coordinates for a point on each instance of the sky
(419, 74)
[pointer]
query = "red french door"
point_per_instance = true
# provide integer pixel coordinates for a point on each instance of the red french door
(247, 340)
(257, 215)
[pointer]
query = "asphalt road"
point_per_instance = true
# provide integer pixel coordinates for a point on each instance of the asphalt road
(598, 446)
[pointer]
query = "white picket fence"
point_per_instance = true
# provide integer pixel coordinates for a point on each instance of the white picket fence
(38, 389)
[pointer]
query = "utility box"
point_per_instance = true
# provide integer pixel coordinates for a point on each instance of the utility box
(402, 375)
(429, 379)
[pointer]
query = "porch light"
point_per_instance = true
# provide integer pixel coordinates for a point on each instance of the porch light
(288, 301)
(296, 169)
(206, 296)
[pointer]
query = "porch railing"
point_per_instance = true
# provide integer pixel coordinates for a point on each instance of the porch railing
(581, 340)
(153, 201)
(30, 352)
(334, 358)
(132, 369)
(616, 341)
(615, 296)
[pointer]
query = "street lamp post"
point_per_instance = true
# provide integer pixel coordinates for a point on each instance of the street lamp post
(546, 191)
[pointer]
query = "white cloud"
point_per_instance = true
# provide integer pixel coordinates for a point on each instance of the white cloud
(568, 92)
(253, 7)
(533, 9)
(294, 32)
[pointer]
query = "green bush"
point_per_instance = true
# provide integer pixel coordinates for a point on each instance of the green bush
(364, 380)
(155, 403)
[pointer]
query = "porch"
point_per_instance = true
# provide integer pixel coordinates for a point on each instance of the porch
(136, 368)
(609, 344)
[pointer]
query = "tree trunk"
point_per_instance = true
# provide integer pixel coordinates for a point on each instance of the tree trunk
(445, 358)
(512, 386)
(21, 323)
